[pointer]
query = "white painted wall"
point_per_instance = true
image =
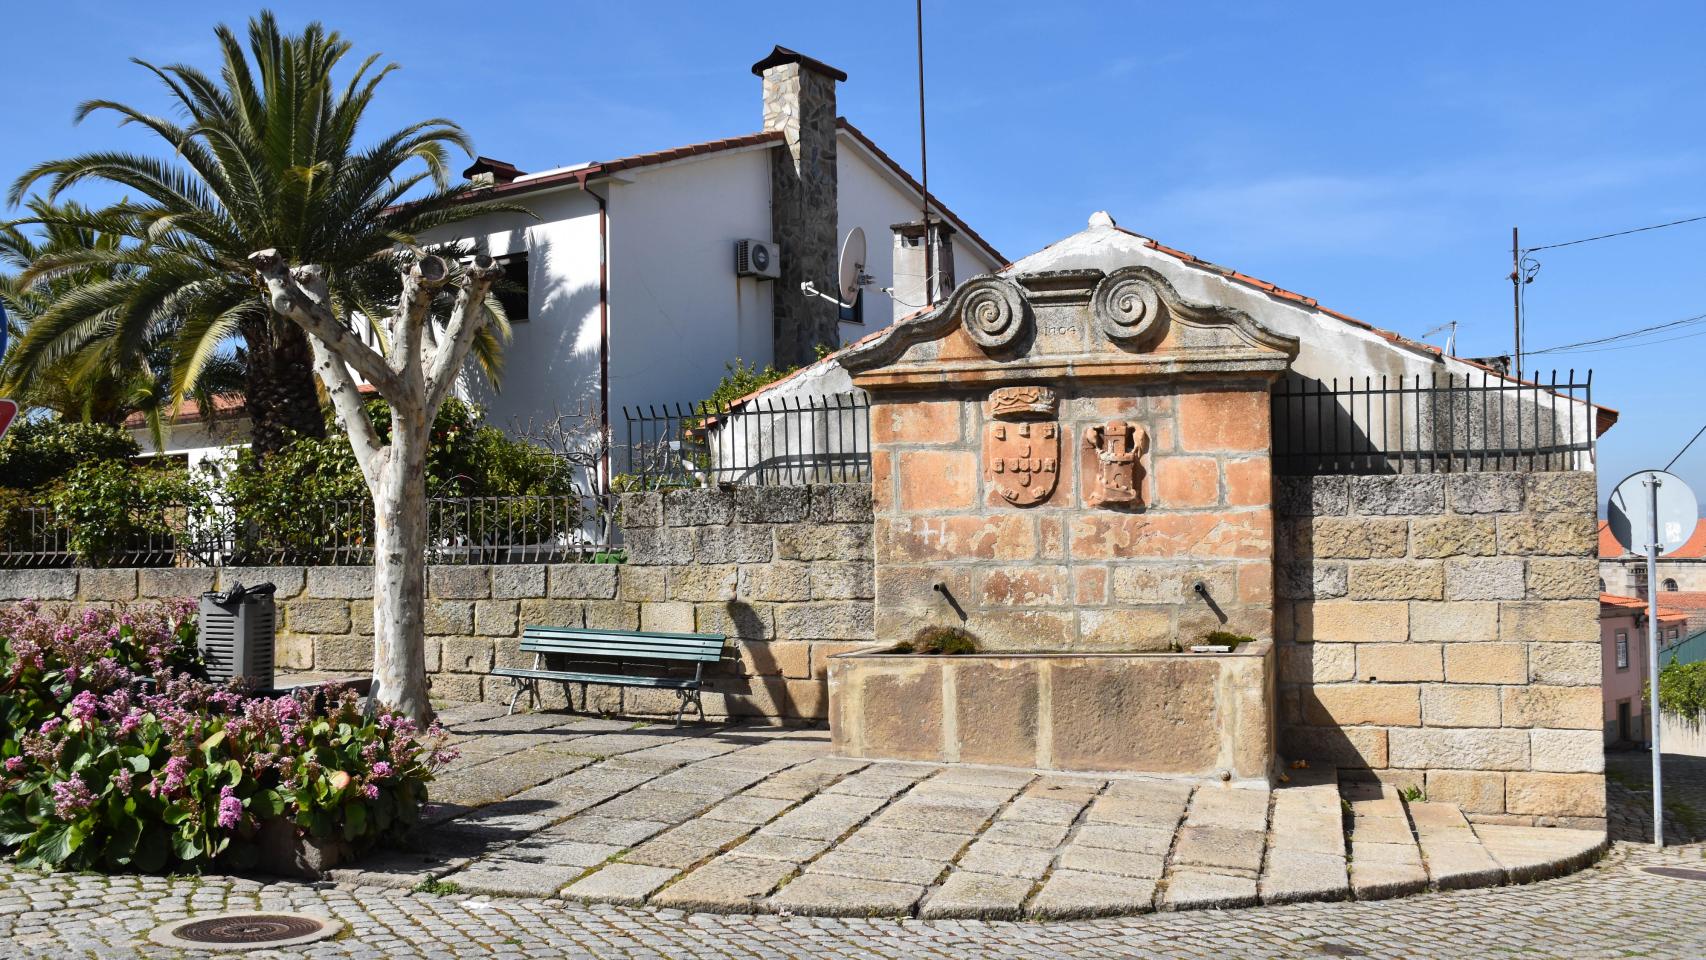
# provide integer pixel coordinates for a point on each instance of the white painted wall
(871, 196)
(678, 313)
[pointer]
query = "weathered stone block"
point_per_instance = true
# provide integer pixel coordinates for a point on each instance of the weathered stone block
(348, 583)
(1567, 751)
(496, 618)
(1473, 791)
(343, 653)
(361, 617)
(1486, 663)
(997, 712)
(776, 581)
(1351, 621)
(584, 581)
(1491, 578)
(1399, 662)
(191, 582)
(692, 508)
(612, 615)
(1453, 536)
(1563, 708)
(641, 584)
(1317, 663)
(466, 654)
(1408, 495)
(1126, 630)
(842, 620)
(841, 503)
(1460, 706)
(518, 581)
(825, 541)
(1397, 580)
(448, 617)
(292, 652)
(658, 546)
(1558, 578)
(1486, 492)
(771, 504)
(749, 543)
(317, 616)
(1564, 664)
(1028, 586)
(1311, 496)
(1175, 694)
(668, 617)
(1464, 621)
(1249, 482)
(1555, 794)
(842, 580)
(1351, 538)
(916, 421)
(634, 510)
(776, 659)
(1232, 420)
(1549, 534)
(108, 585)
(745, 621)
(1481, 749)
(466, 687)
(1359, 703)
(1346, 747)
(822, 650)
(1565, 621)
(1307, 580)
(1573, 491)
(704, 582)
(38, 584)
(459, 583)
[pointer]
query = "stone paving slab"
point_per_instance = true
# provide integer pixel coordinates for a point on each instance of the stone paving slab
(728, 884)
(1071, 895)
(625, 884)
(1201, 890)
(978, 896)
(826, 895)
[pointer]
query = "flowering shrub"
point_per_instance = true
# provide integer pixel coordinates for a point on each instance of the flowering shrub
(98, 773)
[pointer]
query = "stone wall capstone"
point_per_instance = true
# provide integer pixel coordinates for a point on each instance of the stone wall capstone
(1442, 633)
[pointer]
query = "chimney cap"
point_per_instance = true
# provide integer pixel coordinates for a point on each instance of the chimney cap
(501, 172)
(781, 55)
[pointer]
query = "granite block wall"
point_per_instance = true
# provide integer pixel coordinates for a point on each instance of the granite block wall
(1442, 632)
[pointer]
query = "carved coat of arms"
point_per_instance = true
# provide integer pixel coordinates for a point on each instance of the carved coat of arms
(1117, 446)
(1021, 445)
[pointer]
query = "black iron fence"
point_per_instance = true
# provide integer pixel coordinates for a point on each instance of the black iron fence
(460, 530)
(1440, 424)
(764, 441)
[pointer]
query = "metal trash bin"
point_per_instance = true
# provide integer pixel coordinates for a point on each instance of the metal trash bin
(238, 627)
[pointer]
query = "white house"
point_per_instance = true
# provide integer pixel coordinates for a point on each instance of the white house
(631, 290)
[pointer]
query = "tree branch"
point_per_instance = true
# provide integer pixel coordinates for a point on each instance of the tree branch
(410, 321)
(466, 320)
(288, 299)
(340, 386)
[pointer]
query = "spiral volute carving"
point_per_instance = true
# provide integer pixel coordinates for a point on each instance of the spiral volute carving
(1128, 307)
(992, 311)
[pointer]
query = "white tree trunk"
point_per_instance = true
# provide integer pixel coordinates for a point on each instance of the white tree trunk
(399, 576)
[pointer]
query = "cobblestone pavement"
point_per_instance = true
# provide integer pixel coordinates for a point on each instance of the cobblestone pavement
(1629, 797)
(745, 819)
(1605, 911)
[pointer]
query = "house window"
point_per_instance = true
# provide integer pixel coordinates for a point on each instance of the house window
(1622, 649)
(856, 312)
(1670, 585)
(511, 289)
(1670, 634)
(1601, 584)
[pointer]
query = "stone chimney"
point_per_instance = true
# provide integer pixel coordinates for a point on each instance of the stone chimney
(799, 100)
(909, 292)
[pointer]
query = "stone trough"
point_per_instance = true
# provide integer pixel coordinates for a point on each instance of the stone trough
(1194, 715)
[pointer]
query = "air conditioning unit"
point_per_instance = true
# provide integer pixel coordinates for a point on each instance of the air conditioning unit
(758, 258)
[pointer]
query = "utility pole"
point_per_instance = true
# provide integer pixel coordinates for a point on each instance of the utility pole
(1516, 302)
(924, 168)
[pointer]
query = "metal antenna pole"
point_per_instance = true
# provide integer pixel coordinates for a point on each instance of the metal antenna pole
(1652, 484)
(1516, 302)
(924, 169)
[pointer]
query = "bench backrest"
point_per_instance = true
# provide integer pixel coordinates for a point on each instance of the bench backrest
(623, 644)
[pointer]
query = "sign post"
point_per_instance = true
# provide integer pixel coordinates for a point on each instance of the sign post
(1657, 511)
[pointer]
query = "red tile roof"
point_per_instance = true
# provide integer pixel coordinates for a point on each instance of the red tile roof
(1694, 548)
(1617, 603)
(226, 406)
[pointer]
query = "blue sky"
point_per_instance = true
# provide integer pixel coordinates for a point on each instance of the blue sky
(1374, 156)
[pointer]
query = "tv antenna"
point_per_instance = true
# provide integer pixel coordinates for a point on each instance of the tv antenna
(850, 272)
(1450, 339)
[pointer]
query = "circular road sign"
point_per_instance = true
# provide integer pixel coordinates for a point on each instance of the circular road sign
(1628, 512)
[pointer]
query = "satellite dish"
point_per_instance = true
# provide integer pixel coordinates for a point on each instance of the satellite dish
(1629, 515)
(852, 266)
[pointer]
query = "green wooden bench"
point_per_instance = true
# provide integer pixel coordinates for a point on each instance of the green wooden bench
(619, 647)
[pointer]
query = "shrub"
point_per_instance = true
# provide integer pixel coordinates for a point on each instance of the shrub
(95, 774)
(36, 453)
(946, 641)
(112, 510)
(1682, 689)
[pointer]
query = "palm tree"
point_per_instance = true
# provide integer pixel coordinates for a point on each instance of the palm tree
(266, 159)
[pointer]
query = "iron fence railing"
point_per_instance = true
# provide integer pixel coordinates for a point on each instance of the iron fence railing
(763, 441)
(1445, 423)
(460, 530)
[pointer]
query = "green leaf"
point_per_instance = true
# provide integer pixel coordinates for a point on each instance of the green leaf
(266, 804)
(53, 845)
(355, 820)
(138, 763)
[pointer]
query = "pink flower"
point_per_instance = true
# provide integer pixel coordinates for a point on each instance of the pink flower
(230, 808)
(121, 780)
(370, 791)
(381, 770)
(71, 797)
(50, 726)
(84, 706)
(176, 769)
(14, 764)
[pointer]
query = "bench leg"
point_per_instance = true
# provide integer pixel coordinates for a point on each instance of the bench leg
(681, 707)
(514, 697)
(699, 705)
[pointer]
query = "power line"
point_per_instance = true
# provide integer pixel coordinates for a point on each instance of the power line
(1634, 346)
(1620, 233)
(1684, 449)
(1567, 347)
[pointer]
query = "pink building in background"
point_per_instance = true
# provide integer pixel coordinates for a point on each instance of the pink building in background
(1623, 644)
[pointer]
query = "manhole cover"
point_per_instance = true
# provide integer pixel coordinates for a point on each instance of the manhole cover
(1339, 950)
(246, 931)
(1675, 873)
